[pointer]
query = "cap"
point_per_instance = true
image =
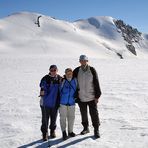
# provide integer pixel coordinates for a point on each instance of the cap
(68, 70)
(53, 66)
(83, 57)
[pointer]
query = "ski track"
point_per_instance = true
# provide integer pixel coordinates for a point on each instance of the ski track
(122, 106)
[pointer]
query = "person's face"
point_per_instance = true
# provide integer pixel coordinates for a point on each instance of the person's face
(69, 74)
(83, 62)
(53, 71)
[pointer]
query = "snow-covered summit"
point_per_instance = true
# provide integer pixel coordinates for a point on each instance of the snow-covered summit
(33, 33)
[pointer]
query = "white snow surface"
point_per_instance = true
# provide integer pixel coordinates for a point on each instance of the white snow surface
(27, 51)
(122, 106)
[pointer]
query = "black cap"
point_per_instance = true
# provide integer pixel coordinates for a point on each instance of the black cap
(53, 66)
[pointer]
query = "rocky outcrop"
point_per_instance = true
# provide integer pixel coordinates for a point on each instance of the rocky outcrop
(38, 21)
(131, 35)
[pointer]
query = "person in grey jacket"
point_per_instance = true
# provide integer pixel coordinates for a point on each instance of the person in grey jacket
(88, 95)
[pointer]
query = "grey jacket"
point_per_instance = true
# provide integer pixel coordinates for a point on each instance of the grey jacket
(88, 84)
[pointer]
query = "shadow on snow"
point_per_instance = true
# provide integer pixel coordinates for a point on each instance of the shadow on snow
(41, 144)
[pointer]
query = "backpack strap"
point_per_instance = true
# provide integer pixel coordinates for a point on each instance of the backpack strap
(75, 80)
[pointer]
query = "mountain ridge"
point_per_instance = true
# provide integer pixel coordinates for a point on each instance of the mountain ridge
(99, 36)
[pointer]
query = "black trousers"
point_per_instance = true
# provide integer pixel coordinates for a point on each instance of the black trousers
(46, 114)
(93, 111)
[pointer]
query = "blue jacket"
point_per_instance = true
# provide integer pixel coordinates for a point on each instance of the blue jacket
(67, 92)
(50, 85)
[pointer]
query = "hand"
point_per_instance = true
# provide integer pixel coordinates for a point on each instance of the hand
(42, 93)
(96, 100)
(77, 100)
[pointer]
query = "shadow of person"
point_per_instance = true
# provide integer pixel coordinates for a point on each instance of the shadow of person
(69, 142)
(41, 144)
(31, 144)
(50, 143)
(73, 142)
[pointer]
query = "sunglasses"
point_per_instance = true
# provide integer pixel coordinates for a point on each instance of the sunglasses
(53, 70)
(83, 61)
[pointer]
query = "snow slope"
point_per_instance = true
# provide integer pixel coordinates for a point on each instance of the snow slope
(122, 106)
(26, 52)
(96, 36)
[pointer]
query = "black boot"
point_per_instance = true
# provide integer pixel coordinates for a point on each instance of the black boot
(96, 134)
(72, 134)
(65, 137)
(85, 131)
(45, 136)
(52, 134)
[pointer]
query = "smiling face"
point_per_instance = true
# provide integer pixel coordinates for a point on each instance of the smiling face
(69, 74)
(83, 62)
(53, 71)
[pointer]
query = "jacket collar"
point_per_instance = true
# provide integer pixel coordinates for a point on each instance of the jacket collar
(86, 68)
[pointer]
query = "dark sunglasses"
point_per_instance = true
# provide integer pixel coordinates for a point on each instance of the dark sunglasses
(53, 70)
(83, 61)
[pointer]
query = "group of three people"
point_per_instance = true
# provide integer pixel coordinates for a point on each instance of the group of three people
(81, 86)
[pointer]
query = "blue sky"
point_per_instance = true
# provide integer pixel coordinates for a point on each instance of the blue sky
(133, 12)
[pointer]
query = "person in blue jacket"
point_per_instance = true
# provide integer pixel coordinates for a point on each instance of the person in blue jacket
(68, 91)
(49, 102)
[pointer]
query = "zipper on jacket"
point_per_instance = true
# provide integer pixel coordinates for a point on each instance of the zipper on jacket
(69, 96)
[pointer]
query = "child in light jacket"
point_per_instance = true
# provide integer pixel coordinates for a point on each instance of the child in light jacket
(68, 91)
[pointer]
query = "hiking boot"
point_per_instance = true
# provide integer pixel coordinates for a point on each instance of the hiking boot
(85, 131)
(45, 136)
(96, 134)
(65, 137)
(52, 134)
(72, 134)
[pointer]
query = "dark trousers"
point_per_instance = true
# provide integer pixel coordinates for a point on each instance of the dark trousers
(46, 114)
(93, 111)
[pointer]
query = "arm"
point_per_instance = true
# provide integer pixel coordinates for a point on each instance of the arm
(96, 84)
(77, 99)
(43, 87)
(75, 72)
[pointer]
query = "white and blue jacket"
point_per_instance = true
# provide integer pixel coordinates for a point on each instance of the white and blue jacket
(68, 90)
